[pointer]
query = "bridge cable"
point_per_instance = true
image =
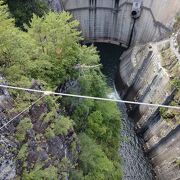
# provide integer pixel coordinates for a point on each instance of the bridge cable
(91, 97)
(7, 123)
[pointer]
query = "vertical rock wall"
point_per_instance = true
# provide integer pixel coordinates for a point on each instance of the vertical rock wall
(7, 164)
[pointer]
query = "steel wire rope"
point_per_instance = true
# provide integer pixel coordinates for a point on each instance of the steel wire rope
(91, 97)
(12, 119)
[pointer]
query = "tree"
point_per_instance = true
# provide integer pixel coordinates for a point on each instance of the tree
(93, 84)
(95, 127)
(81, 113)
(23, 10)
(94, 162)
(58, 39)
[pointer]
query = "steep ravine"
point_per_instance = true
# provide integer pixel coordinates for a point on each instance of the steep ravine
(143, 77)
(148, 73)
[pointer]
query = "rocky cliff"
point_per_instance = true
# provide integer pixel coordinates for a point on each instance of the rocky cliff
(7, 164)
(29, 144)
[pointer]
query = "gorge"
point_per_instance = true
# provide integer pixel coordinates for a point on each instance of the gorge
(72, 138)
(143, 77)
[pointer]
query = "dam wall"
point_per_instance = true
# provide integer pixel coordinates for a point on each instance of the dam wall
(145, 79)
(110, 20)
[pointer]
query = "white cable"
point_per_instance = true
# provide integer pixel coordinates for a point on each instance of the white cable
(21, 113)
(90, 97)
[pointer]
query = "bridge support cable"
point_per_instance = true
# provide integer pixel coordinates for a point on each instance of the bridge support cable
(91, 97)
(22, 112)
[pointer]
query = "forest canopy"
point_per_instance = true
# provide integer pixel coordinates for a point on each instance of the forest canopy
(23, 10)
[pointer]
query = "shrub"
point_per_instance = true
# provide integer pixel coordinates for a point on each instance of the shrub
(38, 173)
(21, 129)
(94, 162)
(62, 125)
(49, 133)
(22, 154)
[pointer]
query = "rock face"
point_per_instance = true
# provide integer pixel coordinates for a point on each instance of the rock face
(110, 20)
(7, 164)
(145, 79)
(18, 156)
(55, 5)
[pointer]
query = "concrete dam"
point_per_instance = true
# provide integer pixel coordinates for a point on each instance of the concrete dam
(145, 73)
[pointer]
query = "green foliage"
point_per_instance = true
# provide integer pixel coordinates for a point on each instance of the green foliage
(39, 173)
(49, 52)
(64, 167)
(81, 114)
(101, 121)
(76, 174)
(176, 83)
(51, 103)
(23, 11)
(5, 20)
(163, 112)
(177, 161)
(49, 133)
(49, 117)
(21, 100)
(21, 129)
(171, 116)
(62, 125)
(112, 121)
(96, 128)
(93, 84)
(22, 154)
(57, 125)
(94, 162)
(57, 37)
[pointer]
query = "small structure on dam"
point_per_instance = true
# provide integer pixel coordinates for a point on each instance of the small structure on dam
(136, 9)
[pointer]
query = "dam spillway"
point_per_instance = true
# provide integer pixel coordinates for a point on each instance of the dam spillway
(110, 20)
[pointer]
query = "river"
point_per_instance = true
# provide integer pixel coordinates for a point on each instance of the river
(136, 165)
